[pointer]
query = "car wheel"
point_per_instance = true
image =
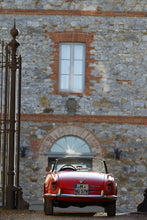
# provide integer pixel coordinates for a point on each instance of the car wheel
(111, 209)
(48, 207)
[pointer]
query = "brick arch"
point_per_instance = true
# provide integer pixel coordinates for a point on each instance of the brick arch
(74, 130)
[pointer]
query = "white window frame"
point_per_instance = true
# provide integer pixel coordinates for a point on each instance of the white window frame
(72, 59)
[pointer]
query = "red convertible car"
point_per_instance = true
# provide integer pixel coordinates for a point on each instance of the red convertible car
(79, 182)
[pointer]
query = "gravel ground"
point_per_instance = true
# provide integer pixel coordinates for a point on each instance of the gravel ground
(36, 215)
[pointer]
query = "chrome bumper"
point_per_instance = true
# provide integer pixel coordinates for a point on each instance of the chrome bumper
(111, 197)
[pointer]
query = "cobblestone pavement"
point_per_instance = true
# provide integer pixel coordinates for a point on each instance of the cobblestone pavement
(36, 215)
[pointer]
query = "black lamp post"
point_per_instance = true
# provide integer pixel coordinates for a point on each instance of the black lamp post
(11, 189)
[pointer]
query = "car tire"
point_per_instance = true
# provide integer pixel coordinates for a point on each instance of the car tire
(48, 207)
(111, 209)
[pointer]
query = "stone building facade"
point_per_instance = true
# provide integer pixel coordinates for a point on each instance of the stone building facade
(110, 113)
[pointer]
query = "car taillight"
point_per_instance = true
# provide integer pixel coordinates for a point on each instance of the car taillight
(54, 185)
(108, 186)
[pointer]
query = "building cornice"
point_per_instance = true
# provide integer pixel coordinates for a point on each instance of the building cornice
(53, 118)
(74, 13)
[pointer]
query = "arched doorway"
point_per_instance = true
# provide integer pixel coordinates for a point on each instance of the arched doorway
(69, 140)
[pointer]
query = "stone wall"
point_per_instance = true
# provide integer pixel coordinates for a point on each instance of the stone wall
(130, 169)
(117, 80)
(93, 5)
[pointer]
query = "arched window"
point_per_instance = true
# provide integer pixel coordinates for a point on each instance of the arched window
(70, 145)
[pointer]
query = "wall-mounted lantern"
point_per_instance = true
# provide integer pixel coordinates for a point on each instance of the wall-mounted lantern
(117, 153)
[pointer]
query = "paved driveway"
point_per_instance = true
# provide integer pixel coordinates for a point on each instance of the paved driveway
(37, 215)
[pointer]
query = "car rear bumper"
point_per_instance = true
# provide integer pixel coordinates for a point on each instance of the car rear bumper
(109, 197)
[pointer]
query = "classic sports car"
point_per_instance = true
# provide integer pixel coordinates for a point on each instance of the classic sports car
(79, 182)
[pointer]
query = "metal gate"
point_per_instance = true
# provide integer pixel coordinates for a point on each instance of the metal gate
(10, 105)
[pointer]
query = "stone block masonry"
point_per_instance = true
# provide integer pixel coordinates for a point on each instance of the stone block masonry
(115, 64)
(130, 170)
(85, 5)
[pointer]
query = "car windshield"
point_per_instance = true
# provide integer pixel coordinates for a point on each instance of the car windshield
(81, 164)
